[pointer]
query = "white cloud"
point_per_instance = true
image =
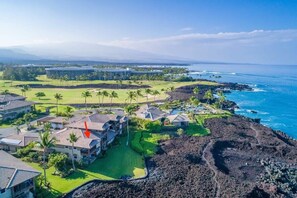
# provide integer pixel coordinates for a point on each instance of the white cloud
(254, 46)
(221, 37)
(186, 29)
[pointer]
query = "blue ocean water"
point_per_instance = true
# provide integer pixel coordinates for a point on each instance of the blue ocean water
(274, 96)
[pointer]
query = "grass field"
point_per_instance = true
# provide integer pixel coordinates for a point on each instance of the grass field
(71, 96)
(120, 160)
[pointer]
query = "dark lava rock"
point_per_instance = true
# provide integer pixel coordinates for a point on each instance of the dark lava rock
(223, 164)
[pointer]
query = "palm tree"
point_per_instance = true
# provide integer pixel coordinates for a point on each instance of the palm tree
(208, 96)
(86, 94)
(104, 94)
(147, 92)
(196, 90)
(138, 94)
(99, 94)
(222, 98)
(131, 96)
(72, 139)
(155, 93)
(46, 142)
(112, 95)
(68, 111)
(58, 97)
(129, 111)
(24, 89)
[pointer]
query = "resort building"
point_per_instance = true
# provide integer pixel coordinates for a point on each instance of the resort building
(16, 177)
(150, 112)
(103, 129)
(97, 74)
(180, 120)
(13, 142)
(12, 105)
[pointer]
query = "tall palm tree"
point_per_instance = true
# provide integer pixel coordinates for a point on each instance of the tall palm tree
(155, 93)
(147, 92)
(24, 89)
(208, 96)
(112, 95)
(58, 97)
(104, 94)
(86, 94)
(196, 90)
(72, 139)
(131, 96)
(138, 94)
(129, 111)
(222, 98)
(99, 94)
(46, 142)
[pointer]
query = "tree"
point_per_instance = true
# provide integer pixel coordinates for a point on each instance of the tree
(99, 94)
(58, 97)
(27, 118)
(138, 94)
(194, 101)
(147, 92)
(155, 93)
(68, 111)
(129, 111)
(39, 95)
(104, 94)
(222, 98)
(46, 142)
(72, 139)
(86, 94)
(25, 89)
(208, 96)
(196, 90)
(112, 95)
(59, 161)
(131, 96)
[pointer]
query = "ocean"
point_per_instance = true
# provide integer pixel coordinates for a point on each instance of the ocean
(275, 91)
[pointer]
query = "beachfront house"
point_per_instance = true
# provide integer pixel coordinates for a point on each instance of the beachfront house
(12, 105)
(16, 177)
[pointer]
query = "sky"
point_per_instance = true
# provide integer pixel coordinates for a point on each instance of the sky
(254, 31)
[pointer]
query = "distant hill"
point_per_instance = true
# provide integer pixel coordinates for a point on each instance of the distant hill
(76, 51)
(9, 55)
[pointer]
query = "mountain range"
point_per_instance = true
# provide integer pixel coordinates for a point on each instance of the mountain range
(75, 51)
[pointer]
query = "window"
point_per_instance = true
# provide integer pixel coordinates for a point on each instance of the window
(74, 147)
(2, 191)
(66, 146)
(75, 156)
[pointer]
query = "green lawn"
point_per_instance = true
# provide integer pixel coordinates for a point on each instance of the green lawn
(146, 143)
(195, 129)
(71, 96)
(120, 160)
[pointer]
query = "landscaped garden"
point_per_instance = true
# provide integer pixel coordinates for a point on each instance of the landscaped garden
(120, 160)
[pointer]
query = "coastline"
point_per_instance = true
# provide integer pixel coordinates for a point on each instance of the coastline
(237, 149)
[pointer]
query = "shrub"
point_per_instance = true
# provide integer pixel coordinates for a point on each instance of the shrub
(180, 131)
(23, 152)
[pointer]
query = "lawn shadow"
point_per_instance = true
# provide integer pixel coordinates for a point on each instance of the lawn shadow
(78, 174)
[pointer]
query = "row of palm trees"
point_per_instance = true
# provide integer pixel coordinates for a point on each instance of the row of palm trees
(209, 96)
(131, 96)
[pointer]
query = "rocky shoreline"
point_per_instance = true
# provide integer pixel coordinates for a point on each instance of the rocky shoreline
(240, 158)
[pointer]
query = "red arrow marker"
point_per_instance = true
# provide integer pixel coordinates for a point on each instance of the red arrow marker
(87, 132)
